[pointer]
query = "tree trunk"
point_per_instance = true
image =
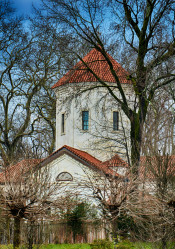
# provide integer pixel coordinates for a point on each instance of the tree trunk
(30, 234)
(8, 229)
(17, 232)
(136, 139)
(164, 243)
(114, 230)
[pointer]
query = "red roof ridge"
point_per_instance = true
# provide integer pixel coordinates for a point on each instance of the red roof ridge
(96, 62)
(80, 153)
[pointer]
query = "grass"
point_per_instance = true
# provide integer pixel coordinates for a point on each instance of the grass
(136, 245)
(66, 246)
(141, 245)
(52, 246)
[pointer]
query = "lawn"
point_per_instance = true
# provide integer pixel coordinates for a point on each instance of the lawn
(126, 245)
(52, 246)
(66, 246)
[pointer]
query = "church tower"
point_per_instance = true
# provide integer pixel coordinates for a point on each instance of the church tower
(88, 118)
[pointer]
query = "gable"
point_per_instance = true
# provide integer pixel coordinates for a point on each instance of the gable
(66, 163)
(80, 156)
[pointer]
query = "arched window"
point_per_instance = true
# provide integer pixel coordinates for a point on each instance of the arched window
(64, 176)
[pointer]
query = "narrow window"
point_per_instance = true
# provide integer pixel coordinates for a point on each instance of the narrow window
(62, 123)
(85, 120)
(115, 121)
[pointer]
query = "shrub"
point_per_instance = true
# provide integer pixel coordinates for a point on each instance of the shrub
(102, 244)
(125, 245)
(125, 225)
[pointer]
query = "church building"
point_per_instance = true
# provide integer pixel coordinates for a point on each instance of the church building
(88, 118)
(91, 129)
(92, 132)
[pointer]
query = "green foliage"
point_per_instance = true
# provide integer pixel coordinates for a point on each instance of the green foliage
(76, 217)
(102, 244)
(125, 224)
(6, 246)
(155, 245)
(126, 244)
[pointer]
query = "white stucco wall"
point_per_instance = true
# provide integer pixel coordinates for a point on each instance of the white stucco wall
(66, 164)
(100, 140)
(82, 176)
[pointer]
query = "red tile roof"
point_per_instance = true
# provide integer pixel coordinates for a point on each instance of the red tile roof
(157, 167)
(115, 161)
(84, 156)
(12, 173)
(150, 167)
(96, 62)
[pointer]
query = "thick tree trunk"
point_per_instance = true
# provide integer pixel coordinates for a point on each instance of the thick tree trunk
(17, 232)
(136, 139)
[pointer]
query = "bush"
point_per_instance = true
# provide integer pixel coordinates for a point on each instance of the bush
(125, 225)
(102, 244)
(125, 245)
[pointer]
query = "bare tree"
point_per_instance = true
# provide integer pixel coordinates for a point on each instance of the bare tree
(147, 30)
(158, 133)
(158, 174)
(141, 208)
(28, 64)
(27, 192)
(110, 192)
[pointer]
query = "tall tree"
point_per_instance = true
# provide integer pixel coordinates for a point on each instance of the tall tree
(145, 28)
(11, 55)
(28, 64)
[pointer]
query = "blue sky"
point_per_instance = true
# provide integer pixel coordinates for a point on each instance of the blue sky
(25, 6)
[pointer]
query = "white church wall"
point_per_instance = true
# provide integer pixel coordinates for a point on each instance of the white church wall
(65, 163)
(81, 174)
(100, 140)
